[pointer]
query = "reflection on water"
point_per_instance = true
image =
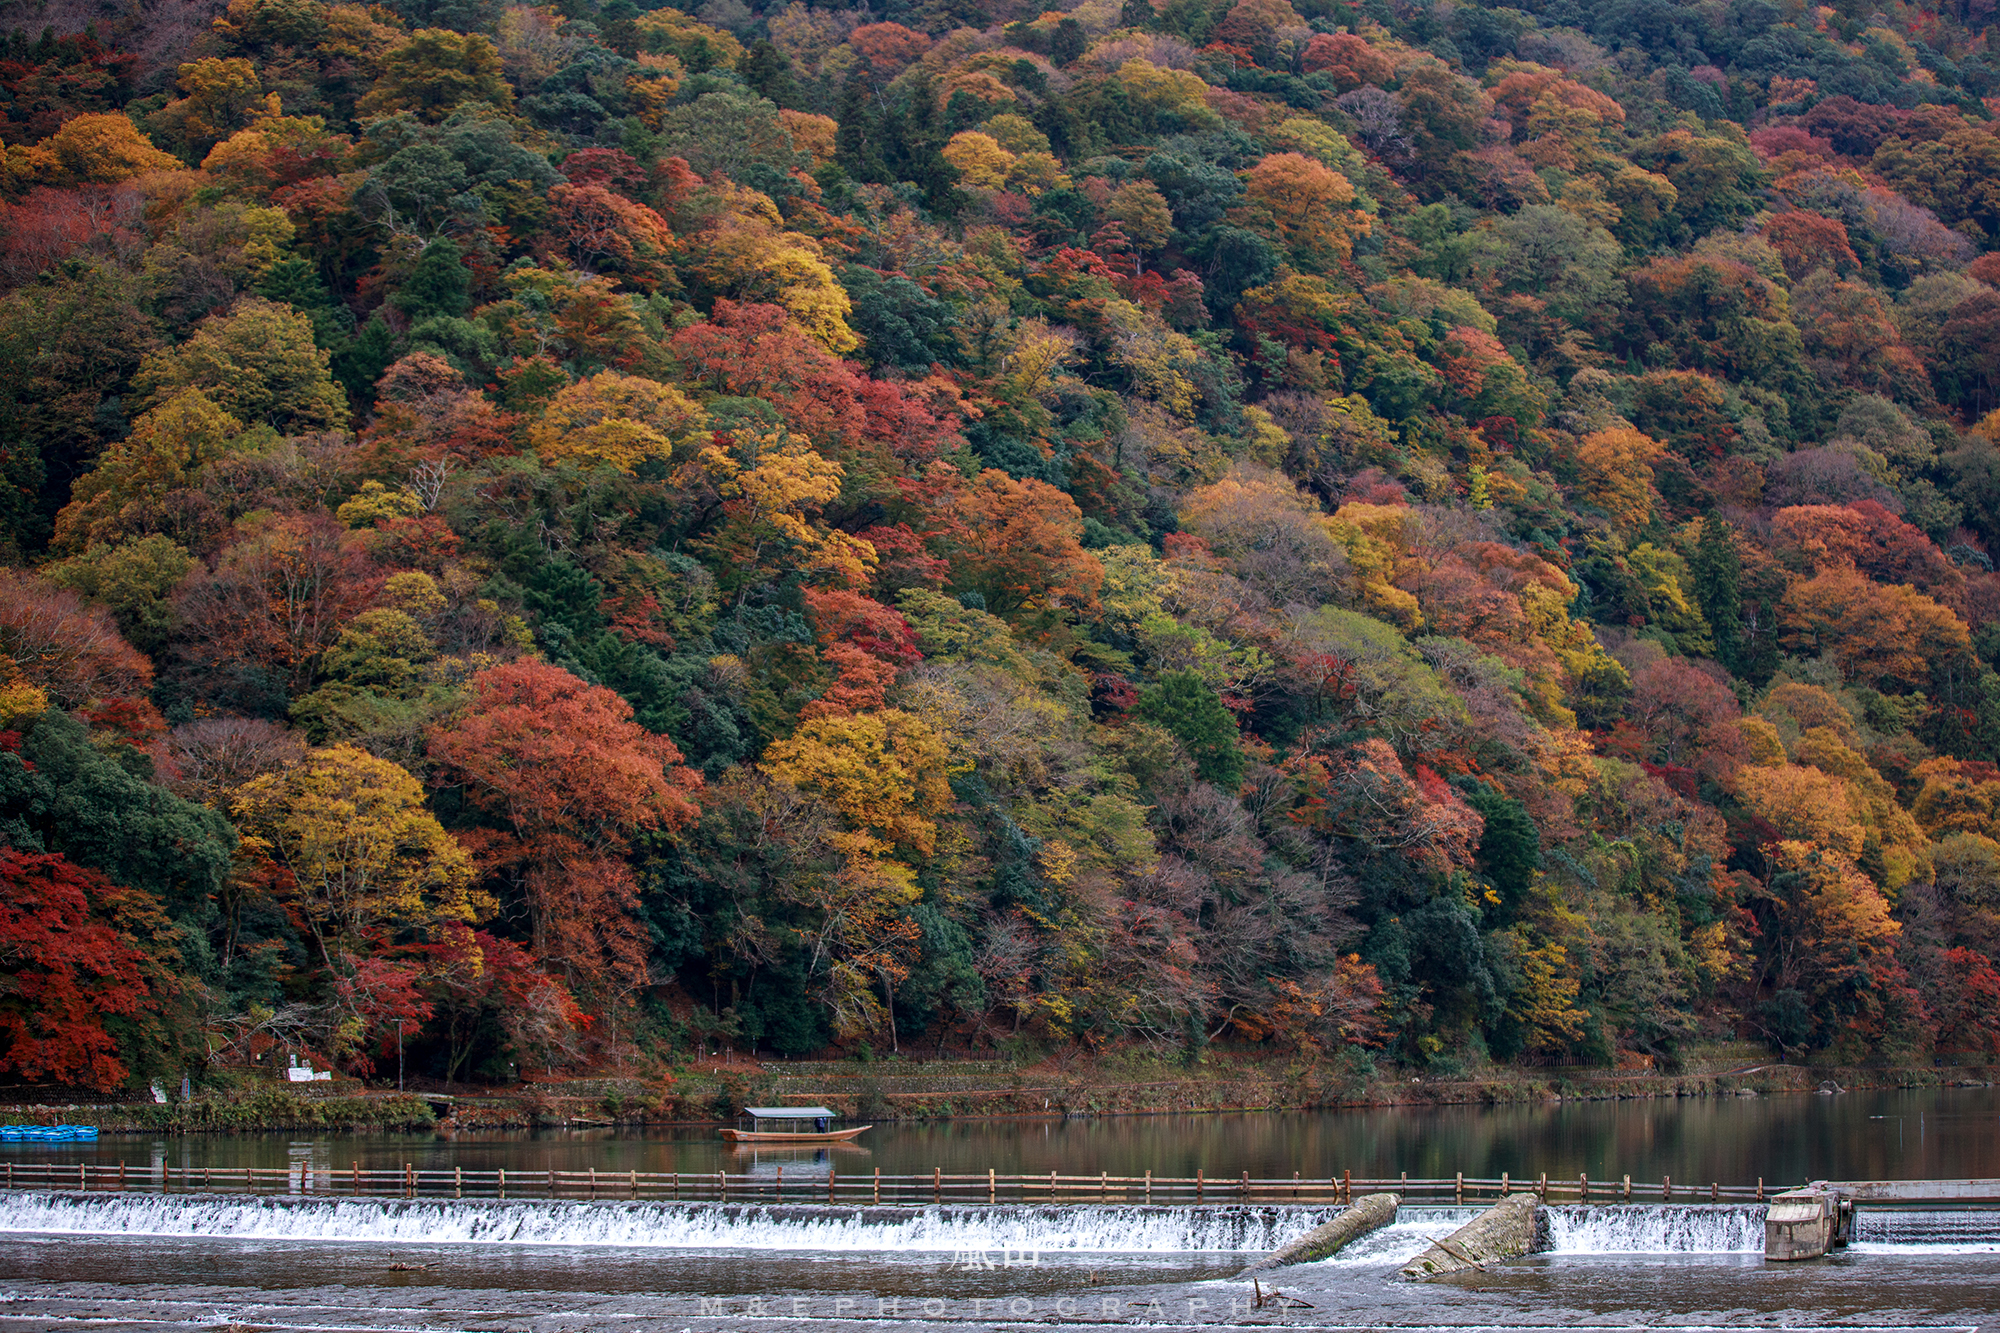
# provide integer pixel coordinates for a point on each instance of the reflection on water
(1934, 1134)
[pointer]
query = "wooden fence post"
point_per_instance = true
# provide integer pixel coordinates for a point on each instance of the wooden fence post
(1458, 1194)
(878, 1186)
(937, 1184)
(1149, 1185)
(1197, 1184)
(831, 1176)
(991, 1196)
(503, 1182)
(1666, 1189)
(1628, 1189)
(458, 1182)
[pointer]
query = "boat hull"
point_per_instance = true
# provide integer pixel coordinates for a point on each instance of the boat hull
(752, 1136)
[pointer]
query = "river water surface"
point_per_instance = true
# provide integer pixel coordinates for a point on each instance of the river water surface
(574, 1267)
(1928, 1134)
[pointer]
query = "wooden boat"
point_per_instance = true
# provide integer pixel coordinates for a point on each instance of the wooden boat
(791, 1125)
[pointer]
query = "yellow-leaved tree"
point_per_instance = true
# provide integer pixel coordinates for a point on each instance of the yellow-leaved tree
(1615, 473)
(364, 852)
(884, 775)
(617, 421)
(743, 251)
(96, 149)
(771, 485)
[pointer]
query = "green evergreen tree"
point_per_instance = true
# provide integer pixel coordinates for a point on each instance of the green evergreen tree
(854, 145)
(440, 284)
(361, 362)
(1718, 577)
(1069, 42)
(769, 71)
(296, 282)
(1183, 704)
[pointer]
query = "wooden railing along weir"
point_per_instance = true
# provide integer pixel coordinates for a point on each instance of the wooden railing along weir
(936, 1187)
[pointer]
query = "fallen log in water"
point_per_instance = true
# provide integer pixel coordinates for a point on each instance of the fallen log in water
(1504, 1231)
(1368, 1213)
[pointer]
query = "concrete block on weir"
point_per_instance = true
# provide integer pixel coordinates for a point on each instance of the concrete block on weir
(1805, 1224)
(1370, 1212)
(1507, 1230)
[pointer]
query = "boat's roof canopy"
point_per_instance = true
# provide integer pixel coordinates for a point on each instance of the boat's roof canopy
(786, 1112)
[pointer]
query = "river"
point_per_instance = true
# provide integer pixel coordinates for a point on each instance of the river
(576, 1267)
(1925, 1134)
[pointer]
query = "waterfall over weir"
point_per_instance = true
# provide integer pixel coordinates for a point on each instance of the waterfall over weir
(1655, 1229)
(1048, 1230)
(1928, 1230)
(1051, 1231)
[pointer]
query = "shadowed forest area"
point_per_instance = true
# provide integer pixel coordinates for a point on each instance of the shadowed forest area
(1381, 531)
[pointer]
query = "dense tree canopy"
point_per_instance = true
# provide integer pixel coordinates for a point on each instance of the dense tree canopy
(570, 532)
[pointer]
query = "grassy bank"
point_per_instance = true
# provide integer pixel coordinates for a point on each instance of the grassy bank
(899, 1090)
(271, 1109)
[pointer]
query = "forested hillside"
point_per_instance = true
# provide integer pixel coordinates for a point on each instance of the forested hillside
(1379, 530)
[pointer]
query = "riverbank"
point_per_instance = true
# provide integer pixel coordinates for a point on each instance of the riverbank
(894, 1090)
(258, 1111)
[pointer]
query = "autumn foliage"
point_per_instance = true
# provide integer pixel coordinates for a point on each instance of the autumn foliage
(606, 533)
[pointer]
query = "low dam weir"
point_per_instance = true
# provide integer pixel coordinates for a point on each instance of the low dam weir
(1055, 1233)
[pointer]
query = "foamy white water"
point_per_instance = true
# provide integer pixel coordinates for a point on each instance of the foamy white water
(1927, 1231)
(1405, 1238)
(1656, 1229)
(1099, 1230)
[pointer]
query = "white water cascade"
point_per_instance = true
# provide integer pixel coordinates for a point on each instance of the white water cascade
(1415, 1227)
(1928, 1230)
(1050, 1231)
(1656, 1229)
(948, 1229)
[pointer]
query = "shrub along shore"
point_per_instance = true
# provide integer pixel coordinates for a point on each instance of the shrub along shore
(706, 1097)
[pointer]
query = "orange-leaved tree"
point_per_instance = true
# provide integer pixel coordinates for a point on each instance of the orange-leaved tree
(565, 779)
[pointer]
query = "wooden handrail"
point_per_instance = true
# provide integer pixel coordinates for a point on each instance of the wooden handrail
(933, 1187)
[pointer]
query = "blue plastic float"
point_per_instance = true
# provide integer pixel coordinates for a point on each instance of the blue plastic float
(48, 1133)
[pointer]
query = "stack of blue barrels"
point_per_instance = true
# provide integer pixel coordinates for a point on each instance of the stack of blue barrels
(48, 1133)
